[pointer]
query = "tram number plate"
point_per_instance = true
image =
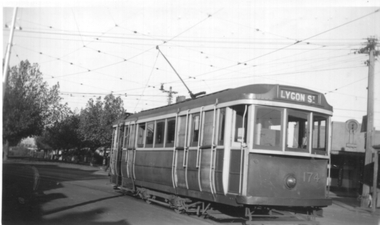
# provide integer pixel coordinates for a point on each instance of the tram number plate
(310, 177)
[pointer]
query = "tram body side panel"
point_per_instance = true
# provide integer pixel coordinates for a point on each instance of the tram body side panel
(180, 174)
(267, 175)
(154, 167)
(234, 172)
(205, 167)
(126, 165)
(113, 166)
(112, 173)
(118, 167)
(192, 170)
(218, 180)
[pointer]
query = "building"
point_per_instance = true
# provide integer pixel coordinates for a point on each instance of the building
(348, 155)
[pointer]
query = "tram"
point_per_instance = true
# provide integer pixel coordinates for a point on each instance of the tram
(259, 147)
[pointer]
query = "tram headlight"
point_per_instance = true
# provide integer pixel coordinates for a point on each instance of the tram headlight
(290, 181)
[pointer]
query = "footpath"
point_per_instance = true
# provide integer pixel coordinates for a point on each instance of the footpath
(346, 210)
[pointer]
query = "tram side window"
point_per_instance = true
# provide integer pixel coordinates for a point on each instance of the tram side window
(170, 133)
(195, 126)
(222, 122)
(240, 120)
(121, 135)
(297, 131)
(149, 134)
(140, 135)
(126, 137)
(319, 134)
(160, 132)
(132, 136)
(268, 129)
(208, 128)
(181, 131)
(114, 137)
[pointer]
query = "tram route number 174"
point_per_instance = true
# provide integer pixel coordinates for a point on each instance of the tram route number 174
(310, 176)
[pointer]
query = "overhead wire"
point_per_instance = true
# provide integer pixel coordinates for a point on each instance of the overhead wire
(346, 85)
(76, 23)
(198, 23)
(190, 41)
(295, 43)
(151, 72)
(60, 77)
(271, 72)
(86, 68)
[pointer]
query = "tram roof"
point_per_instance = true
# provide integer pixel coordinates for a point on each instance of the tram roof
(268, 92)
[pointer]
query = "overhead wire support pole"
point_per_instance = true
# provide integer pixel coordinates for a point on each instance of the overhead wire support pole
(193, 96)
(170, 92)
(8, 53)
(370, 154)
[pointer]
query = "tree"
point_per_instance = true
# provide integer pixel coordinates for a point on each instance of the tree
(96, 120)
(63, 134)
(28, 104)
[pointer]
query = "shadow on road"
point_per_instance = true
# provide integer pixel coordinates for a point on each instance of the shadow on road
(80, 204)
(89, 217)
(28, 210)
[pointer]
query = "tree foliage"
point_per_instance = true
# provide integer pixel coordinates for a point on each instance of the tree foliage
(31, 108)
(63, 134)
(96, 120)
(29, 104)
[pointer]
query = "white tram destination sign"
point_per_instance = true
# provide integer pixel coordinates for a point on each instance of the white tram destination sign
(298, 96)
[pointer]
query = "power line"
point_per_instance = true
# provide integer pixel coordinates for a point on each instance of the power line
(96, 37)
(343, 24)
(292, 73)
(203, 46)
(151, 72)
(354, 110)
(303, 40)
(209, 15)
(76, 23)
(346, 85)
(295, 43)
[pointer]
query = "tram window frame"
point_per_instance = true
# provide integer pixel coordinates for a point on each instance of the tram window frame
(159, 137)
(132, 136)
(170, 132)
(149, 134)
(208, 127)
(303, 127)
(237, 125)
(181, 131)
(221, 126)
(319, 135)
(273, 123)
(120, 137)
(141, 135)
(114, 137)
(126, 136)
(195, 129)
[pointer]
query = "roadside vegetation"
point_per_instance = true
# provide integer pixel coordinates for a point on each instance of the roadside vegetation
(33, 109)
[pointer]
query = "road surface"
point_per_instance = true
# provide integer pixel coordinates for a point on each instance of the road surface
(75, 194)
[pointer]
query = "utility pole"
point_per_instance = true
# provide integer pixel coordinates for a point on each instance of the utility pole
(370, 153)
(8, 53)
(170, 92)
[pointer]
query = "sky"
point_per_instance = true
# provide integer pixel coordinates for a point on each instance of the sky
(94, 48)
